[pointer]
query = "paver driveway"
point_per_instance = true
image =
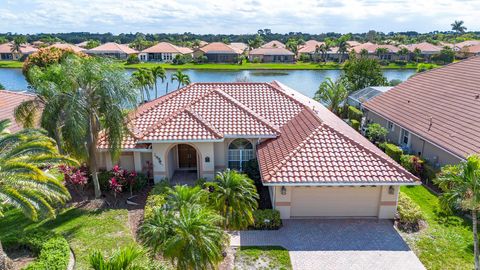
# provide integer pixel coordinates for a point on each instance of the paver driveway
(336, 244)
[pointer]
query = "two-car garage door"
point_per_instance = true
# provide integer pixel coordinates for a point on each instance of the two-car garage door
(335, 202)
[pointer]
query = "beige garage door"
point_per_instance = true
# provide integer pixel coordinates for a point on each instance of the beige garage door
(335, 201)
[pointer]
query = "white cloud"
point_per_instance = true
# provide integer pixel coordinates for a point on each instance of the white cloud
(239, 16)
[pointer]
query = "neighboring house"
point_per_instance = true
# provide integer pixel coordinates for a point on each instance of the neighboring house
(471, 50)
(7, 54)
(239, 45)
(82, 44)
(467, 43)
(427, 50)
(353, 43)
(310, 48)
(163, 52)
(313, 163)
(218, 52)
(113, 50)
(67, 46)
(361, 96)
(390, 54)
(271, 55)
(434, 114)
(273, 44)
(9, 100)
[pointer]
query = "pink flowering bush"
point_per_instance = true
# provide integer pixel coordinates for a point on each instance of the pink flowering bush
(127, 180)
(75, 177)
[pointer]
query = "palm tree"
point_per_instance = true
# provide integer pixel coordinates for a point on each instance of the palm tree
(158, 72)
(190, 237)
(88, 99)
(459, 28)
(363, 53)
(235, 197)
(417, 52)
(144, 80)
(332, 94)
(461, 190)
(342, 49)
(185, 196)
(123, 259)
(23, 182)
(181, 77)
(380, 52)
(18, 41)
(403, 51)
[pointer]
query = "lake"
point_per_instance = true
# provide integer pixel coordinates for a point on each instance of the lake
(304, 81)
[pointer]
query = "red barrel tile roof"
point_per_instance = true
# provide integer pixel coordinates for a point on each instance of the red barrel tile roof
(112, 47)
(165, 47)
(304, 143)
(9, 100)
(440, 105)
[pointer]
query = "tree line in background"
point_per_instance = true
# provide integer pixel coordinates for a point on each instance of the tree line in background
(189, 39)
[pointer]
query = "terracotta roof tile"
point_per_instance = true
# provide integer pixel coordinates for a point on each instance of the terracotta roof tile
(273, 44)
(271, 51)
(424, 47)
(67, 47)
(165, 47)
(441, 105)
(9, 100)
(219, 47)
(113, 47)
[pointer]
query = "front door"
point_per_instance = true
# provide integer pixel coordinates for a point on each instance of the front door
(187, 156)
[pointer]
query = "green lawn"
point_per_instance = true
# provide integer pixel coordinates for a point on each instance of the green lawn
(84, 230)
(269, 257)
(447, 242)
(244, 66)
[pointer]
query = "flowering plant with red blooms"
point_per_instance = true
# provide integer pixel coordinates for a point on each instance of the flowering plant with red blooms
(115, 186)
(75, 177)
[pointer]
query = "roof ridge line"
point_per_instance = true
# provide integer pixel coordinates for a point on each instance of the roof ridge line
(173, 114)
(280, 90)
(238, 104)
(204, 122)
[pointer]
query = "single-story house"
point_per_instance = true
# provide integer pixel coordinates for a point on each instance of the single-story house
(163, 52)
(313, 163)
(82, 44)
(7, 54)
(218, 52)
(390, 54)
(310, 48)
(434, 114)
(271, 55)
(471, 50)
(357, 98)
(112, 49)
(274, 44)
(467, 43)
(9, 100)
(427, 50)
(67, 46)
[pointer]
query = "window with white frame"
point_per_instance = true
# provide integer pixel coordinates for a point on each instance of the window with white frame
(240, 151)
(390, 126)
(404, 138)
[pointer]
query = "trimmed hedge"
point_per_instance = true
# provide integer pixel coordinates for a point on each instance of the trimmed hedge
(393, 151)
(54, 255)
(355, 124)
(354, 114)
(266, 219)
(410, 217)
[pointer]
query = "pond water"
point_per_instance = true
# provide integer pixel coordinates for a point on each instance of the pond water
(304, 81)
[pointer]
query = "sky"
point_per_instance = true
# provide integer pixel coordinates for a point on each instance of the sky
(235, 17)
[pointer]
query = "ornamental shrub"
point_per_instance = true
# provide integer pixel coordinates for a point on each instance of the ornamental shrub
(413, 164)
(410, 217)
(266, 219)
(393, 151)
(153, 201)
(354, 114)
(133, 59)
(355, 124)
(55, 255)
(256, 60)
(376, 133)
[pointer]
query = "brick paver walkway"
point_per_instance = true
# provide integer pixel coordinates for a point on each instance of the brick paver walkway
(336, 244)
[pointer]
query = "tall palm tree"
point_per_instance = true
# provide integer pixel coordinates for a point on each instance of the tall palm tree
(403, 51)
(363, 53)
(381, 51)
(126, 258)
(190, 237)
(18, 41)
(332, 94)
(93, 93)
(235, 197)
(417, 52)
(182, 78)
(459, 28)
(144, 80)
(158, 72)
(185, 196)
(24, 184)
(342, 49)
(461, 190)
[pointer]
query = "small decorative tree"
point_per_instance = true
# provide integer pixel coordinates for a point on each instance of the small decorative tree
(376, 133)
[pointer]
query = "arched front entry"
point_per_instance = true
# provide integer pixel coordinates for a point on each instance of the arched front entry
(183, 164)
